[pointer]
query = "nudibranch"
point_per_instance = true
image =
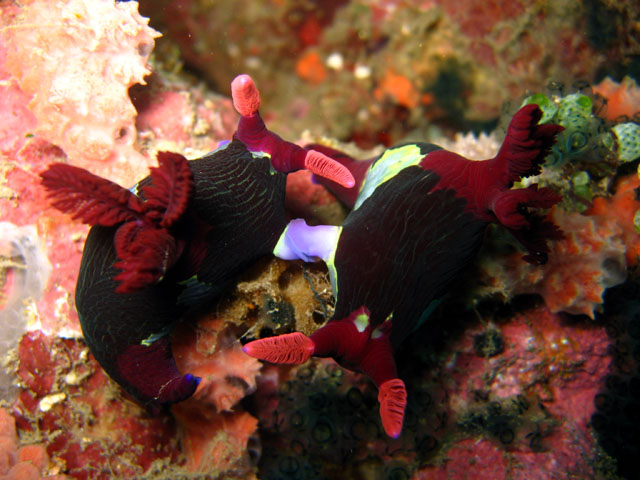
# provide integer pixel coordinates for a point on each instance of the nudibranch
(418, 219)
(174, 241)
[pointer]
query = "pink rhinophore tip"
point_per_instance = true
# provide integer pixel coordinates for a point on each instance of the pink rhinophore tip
(326, 167)
(392, 396)
(245, 95)
(291, 348)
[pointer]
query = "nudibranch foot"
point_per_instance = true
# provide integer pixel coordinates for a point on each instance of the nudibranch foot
(392, 396)
(285, 156)
(153, 371)
(289, 349)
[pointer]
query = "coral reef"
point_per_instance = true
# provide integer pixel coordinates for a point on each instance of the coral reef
(616, 421)
(589, 259)
(522, 412)
(623, 98)
(503, 391)
(216, 433)
(24, 272)
(587, 137)
(624, 203)
(372, 71)
(77, 72)
(29, 462)
(598, 246)
(584, 163)
(70, 406)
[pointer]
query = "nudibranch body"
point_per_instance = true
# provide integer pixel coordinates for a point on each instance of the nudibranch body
(174, 242)
(417, 221)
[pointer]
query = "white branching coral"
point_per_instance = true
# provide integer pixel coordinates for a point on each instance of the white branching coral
(481, 147)
(77, 60)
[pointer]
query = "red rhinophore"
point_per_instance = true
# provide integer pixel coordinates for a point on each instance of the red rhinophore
(245, 95)
(291, 348)
(89, 198)
(357, 168)
(392, 397)
(170, 189)
(285, 156)
(326, 167)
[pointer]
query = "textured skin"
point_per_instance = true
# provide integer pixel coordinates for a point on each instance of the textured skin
(395, 264)
(235, 216)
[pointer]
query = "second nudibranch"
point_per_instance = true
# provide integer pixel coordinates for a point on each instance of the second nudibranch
(417, 221)
(175, 242)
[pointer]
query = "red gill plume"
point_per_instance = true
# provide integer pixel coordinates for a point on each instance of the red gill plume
(89, 198)
(145, 247)
(170, 189)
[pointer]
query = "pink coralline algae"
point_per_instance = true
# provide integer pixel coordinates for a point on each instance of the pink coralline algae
(63, 96)
(69, 405)
(181, 117)
(77, 71)
(582, 265)
(215, 431)
(28, 462)
(25, 150)
(548, 360)
(90, 430)
(531, 403)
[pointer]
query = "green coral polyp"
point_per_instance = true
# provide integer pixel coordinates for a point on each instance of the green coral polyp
(548, 107)
(585, 134)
